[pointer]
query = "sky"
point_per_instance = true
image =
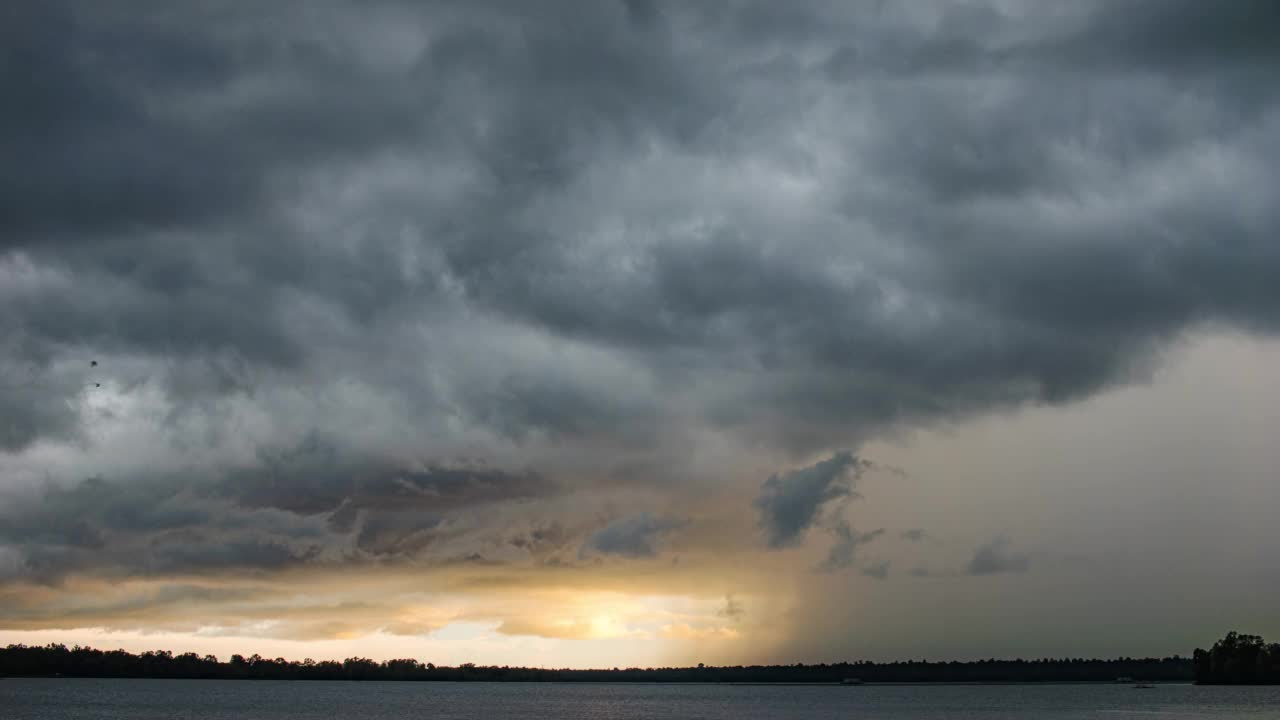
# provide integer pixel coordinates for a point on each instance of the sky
(593, 334)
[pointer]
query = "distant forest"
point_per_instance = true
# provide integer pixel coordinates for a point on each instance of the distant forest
(59, 660)
(1236, 659)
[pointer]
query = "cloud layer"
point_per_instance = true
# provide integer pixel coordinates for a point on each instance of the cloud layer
(334, 285)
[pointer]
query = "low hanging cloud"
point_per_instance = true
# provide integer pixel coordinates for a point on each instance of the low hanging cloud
(632, 536)
(789, 503)
(998, 556)
(271, 516)
(319, 474)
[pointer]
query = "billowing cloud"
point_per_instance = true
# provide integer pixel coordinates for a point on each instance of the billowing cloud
(790, 502)
(631, 536)
(397, 221)
(270, 517)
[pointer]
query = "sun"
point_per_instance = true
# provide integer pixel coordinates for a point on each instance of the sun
(606, 625)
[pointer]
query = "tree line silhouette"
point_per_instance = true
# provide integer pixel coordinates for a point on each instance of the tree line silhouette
(59, 660)
(1238, 660)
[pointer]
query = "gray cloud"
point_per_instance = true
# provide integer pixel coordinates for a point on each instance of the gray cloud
(318, 475)
(998, 556)
(149, 527)
(847, 542)
(789, 502)
(33, 404)
(86, 515)
(879, 570)
(829, 332)
(311, 504)
(574, 239)
(630, 536)
(542, 539)
(1174, 36)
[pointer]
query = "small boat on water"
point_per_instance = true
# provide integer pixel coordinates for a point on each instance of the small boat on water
(1143, 685)
(851, 681)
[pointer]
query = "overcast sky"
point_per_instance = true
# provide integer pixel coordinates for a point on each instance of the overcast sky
(627, 333)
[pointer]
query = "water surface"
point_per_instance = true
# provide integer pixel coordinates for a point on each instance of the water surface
(60, 699)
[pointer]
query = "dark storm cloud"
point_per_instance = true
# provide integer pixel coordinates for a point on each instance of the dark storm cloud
(320, 475)
(630, 536)
(310, 505)
(580, 235)
(1169, 35)
(147, 528)
(34, 406)
(998, 556)
(87, 514)
(789, 502)
(98, 140)
(176, 141)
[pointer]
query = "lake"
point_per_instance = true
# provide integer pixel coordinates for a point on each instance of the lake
(59, 699)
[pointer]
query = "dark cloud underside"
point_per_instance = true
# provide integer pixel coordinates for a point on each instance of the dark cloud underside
(354, 270)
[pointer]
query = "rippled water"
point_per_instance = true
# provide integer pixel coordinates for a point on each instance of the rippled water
(59, 699)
